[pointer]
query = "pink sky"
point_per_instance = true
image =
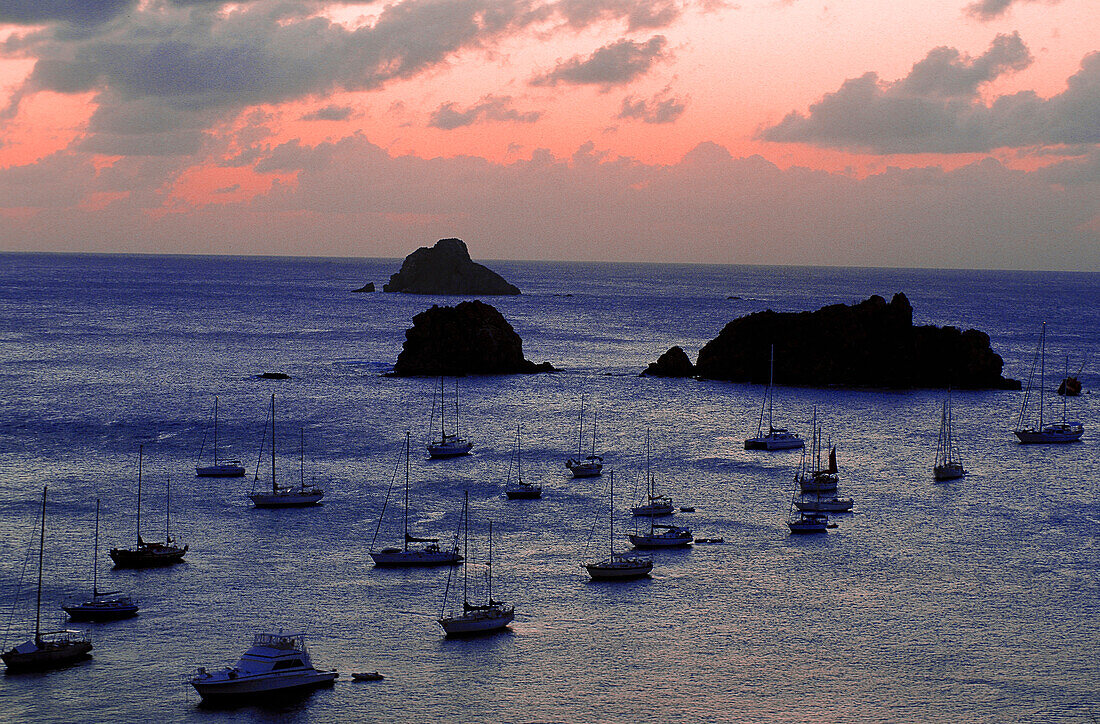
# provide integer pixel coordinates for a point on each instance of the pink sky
(932, 134)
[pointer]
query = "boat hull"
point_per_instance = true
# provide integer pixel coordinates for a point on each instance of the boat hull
(1052, 435)
(829, 505)
(523, 493)
(652, 511)
(286, 500)
(478, 622)
(220, 471)
(823, 483)
(399, 558)
(52, 655)
(449, 450)
(98, 612)
(223, 690)
(160, 557)
(660, 541)
(775, 442)
(952, 471)
(619, 569)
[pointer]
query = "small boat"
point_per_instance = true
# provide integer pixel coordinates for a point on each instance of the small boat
(809, 523)
(776, 438)
(518, 489)
(448, 446)
(947, 465)
(687, 508)
(655, 505)
(150, 554)
(585, 466)
(220, 468)
(103, 605)
(710, 540)
(475, 618)
(662, 536)
(48, 649)
(285, 496)
(1040, 433)
(618, 567)
(366, 676)
(428, 555)
(811, 477)
(819, 503)
(277, 663)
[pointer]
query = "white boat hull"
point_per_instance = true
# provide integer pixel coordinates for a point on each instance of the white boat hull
(652, 511)
(661, 541)
(950, 471)
(287, 499)
(827, 505)
(475, 622)
(619, 569)
(449, 449)
(222, 686)
(523, 491)
(775, 442)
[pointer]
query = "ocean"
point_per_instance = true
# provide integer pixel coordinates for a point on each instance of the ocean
(975, 600)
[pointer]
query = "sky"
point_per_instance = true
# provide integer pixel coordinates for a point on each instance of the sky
(931, 133)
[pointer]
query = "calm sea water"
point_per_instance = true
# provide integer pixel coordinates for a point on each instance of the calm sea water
(975, 600)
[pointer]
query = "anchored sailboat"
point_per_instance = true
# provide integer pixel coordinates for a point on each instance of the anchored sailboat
(220, 468)
(518, 489)
(48, 649)
(618, 567)
(448, 446)
(103, 605)
(283, 496)
(947, 465)
(428, 555)
(474, 618)
(585, 466)
(654, 505)
(150, 554)
(1040, 433)
(777, 438)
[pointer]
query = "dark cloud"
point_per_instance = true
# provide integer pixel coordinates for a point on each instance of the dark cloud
(74, 12)
(638, 14)
(937, 108)
(329, 113)
(616, 64)
(490, 108)
(986, 10)
(659, 109)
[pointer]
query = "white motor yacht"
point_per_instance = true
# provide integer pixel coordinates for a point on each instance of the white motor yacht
(276, 663)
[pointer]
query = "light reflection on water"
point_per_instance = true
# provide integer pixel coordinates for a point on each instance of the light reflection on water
(973, 600)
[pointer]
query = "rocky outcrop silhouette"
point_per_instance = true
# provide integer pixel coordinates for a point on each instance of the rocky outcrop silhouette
(468, 338)
(368, 287)
(673, 363)
(446, 268)
(869, 344)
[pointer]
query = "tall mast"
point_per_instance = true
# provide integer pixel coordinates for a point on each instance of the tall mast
(274, 485)
(465, 545)
(95, 555)
(771, 379)
(580, 433)
(490, 563)
(1065, 391)
(1042, 370)
(167, 510)
(593, 434)
(215, 430)
(519, 470)
(611, 539)
(302, 456)
(442, 415)
(41, 554)
(456, 407)
(407, 435)
(141, 449)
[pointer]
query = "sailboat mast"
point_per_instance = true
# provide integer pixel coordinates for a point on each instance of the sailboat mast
(519, 469)
(594, 434)
(41, 554)
(442, 415)
(1042, 370)
(407, 436)
(302, 457)
(456, 407)
(771, 380)
(465, 545)
(580, 430)
(141, 449)
(274, 485)
(215, 430)
(490, 563)
(168, 510)
(95, 554)
(611, 538)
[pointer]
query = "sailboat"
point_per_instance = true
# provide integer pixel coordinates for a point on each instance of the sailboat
(518, 489)
(1057, 432)
(283, 496)
(474, 618)
(103, 605)
(147, 554)
(428, 555)
(220, 468)
(777, 438)
(49, 649)
(947, 465)
(618, 567)
(590, 465)
(655, 505)
(806, 522)
(448, 446)
(811, 477)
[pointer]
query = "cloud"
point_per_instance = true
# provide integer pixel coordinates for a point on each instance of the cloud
(661, 108)
(639, 14)
(74, 12)
(490, 108)
(616, 64)
(329, 113)
(986, 10)
(937, 108)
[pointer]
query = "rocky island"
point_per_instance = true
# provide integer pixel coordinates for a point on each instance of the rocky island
(869, 344)
(468, 338)
(446, 268)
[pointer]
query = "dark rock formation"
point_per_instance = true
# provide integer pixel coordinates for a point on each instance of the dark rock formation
(368, 287)
(446, 268)
(673, 363)
(468, 338)
(273, 376)
(869, 344)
